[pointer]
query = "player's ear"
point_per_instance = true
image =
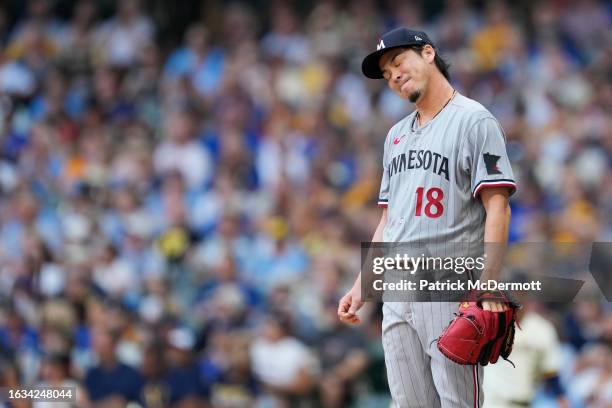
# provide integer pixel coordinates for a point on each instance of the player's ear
(428, 53)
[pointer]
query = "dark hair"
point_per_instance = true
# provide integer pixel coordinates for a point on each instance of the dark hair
(60, 359)
(438, 60)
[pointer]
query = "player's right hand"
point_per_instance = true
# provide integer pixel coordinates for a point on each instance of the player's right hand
(349, 305)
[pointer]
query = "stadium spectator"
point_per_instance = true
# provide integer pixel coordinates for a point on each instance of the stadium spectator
(284, 366)
(111, 382)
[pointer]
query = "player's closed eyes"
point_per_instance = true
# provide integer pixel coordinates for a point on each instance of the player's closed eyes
(395, 62)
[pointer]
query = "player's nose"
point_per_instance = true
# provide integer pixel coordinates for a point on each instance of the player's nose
(397, 76)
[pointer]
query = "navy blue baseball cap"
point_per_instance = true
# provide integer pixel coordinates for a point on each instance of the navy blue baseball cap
(399, 37)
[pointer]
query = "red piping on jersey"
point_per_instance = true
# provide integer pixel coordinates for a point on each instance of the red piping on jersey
(489, 184)
(383, 205)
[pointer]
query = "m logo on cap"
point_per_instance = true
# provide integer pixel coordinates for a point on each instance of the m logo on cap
(380, 45)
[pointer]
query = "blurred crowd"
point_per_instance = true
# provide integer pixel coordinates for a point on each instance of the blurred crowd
(178, 221)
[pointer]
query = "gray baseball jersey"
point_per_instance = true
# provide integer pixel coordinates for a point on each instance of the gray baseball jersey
(433, 174)
(431, 183)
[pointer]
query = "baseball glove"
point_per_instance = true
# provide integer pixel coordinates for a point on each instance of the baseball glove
(480, 336)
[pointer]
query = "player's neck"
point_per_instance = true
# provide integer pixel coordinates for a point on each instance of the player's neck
(433, 101)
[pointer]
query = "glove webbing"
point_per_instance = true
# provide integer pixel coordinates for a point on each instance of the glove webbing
(485, 353)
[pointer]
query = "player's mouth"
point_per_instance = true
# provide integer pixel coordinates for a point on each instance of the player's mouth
(404, 84)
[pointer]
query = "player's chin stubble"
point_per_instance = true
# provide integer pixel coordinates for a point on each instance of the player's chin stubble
(414, 96)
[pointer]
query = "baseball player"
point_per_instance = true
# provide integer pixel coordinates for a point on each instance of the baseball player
(446, 177)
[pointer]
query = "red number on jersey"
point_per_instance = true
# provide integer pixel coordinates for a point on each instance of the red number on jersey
(434, 197)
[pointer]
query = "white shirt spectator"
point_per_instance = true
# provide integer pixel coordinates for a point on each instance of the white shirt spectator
(354, 96)
(191, 159)
(121, 41)
(536, 353)
(278, 363)
(16, 78)
(282, 154)
(116, 278)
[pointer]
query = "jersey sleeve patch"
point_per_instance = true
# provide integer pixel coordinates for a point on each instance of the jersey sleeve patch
(511, 184)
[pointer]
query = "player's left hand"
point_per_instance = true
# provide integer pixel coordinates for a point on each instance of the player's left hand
(494, 306)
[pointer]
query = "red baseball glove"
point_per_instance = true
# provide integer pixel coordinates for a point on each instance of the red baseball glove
(480, 336)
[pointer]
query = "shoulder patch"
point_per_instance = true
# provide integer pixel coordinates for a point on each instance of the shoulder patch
(491, 163)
